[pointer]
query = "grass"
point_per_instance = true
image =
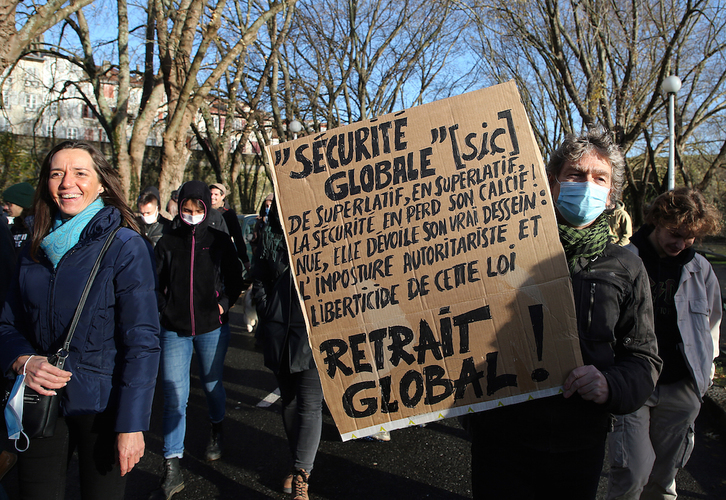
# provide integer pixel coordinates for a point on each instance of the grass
(715, 250)
(719, 378)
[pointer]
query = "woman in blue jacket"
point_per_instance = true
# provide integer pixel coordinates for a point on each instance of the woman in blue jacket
(110, 373)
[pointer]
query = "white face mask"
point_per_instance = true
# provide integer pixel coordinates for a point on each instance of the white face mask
(192, 220)
(150, 219)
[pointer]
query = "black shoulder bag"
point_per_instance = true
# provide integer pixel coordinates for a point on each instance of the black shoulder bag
(40, 412)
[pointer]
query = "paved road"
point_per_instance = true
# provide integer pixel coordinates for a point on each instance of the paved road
(421, 462)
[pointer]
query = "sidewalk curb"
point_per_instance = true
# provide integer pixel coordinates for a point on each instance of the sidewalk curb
(715, 402)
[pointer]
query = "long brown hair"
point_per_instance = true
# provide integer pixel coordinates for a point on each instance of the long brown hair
(45, 209)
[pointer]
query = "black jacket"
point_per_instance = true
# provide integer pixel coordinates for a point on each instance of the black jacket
(198, 270)
(20, 232)
(282, 325)
(615, 326)
(156, 230)
(7, 257)
(235, 231)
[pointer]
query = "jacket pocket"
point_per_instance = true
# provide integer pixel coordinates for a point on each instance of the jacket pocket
(699, 316)
(88, 391)
(698, 306)
(616, 443)
(598, 310)
(687, 447)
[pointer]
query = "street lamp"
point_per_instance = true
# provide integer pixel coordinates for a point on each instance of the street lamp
(295, 127)
(671, 86)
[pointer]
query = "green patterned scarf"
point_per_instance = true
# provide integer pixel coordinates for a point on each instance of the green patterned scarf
(588, 242)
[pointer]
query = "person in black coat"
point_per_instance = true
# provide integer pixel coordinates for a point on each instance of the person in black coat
(151, 223)
(200, 278)
(219, 192)
(288, 353)
(7, 256)
(17, 201)
(560, 440)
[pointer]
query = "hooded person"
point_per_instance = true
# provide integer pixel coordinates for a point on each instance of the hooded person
(151, 223)
(200, 278)
(621, 225)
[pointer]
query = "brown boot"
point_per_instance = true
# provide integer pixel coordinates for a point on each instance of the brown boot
(300, 484)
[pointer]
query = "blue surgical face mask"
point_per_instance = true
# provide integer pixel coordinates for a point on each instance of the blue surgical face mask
(14, 412)
(580, 203)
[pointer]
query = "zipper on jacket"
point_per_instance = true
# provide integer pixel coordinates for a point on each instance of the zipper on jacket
(191, 281)
(53, 276)
(592, 303)
(51, 299)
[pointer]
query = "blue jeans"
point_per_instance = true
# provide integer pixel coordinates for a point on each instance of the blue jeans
(176, 358)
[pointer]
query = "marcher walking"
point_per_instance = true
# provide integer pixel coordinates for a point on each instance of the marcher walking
(288, 354)
(110, 373)
(648, 446)
(152, 224)
(200, 278)
(219, 193)
(558, 442)
(17, 200)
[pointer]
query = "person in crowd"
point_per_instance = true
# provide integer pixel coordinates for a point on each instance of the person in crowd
(7, 269)
(287, 353)
(151, 223)
(621, 225)
(18, 199)
(110, 373)
(219, 192)
(560, 440)
(262, 219)
(173, 206)
(7, 257)
(648, 446)
(200, 278)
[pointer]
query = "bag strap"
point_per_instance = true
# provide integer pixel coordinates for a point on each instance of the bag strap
(63, 352)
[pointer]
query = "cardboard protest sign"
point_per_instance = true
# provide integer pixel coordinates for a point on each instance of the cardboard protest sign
(425, 248)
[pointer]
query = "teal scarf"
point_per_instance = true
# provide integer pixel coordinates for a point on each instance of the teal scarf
(65, 234)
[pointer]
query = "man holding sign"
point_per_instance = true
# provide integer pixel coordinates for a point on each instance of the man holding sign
(558, 443)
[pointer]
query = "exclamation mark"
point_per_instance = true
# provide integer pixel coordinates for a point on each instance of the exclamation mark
(536, 315)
